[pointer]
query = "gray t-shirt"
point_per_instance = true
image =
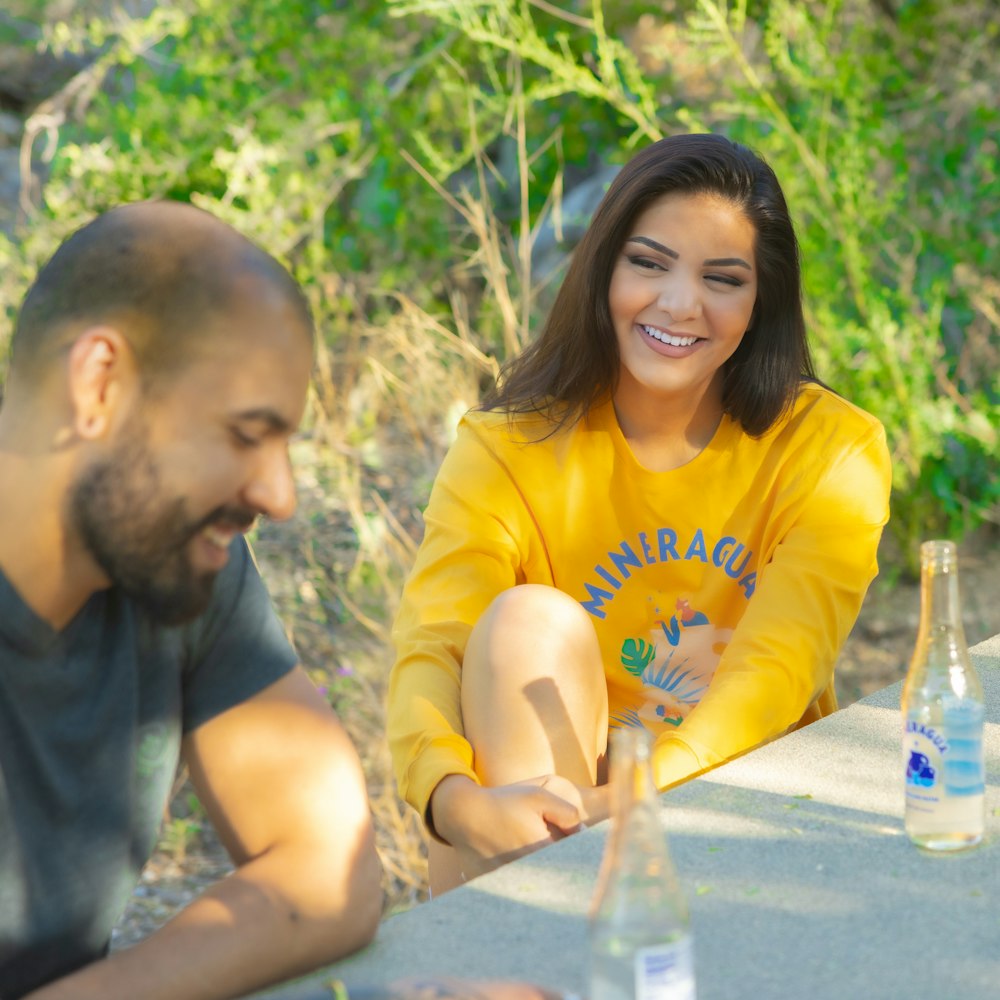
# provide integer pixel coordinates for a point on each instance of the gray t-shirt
(91, 719)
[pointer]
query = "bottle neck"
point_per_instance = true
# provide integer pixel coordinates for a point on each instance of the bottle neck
(631, 772)
(940, 607)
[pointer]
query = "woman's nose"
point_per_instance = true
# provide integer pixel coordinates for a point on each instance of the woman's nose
(679, 298)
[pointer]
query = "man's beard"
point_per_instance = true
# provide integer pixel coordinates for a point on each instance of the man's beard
(140, 537)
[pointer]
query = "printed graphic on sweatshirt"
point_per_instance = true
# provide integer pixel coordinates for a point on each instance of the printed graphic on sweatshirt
(675, 664)
(675, 656)
(649, 548)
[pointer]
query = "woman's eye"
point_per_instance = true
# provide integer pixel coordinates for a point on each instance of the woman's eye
(646, 263)
(726, 279)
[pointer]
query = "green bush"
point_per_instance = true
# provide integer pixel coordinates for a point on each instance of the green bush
(302, 123)
(895, 196)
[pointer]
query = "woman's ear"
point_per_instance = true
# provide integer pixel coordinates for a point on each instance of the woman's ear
(102, 376)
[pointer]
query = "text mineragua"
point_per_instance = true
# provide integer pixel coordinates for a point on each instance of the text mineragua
(731, 556)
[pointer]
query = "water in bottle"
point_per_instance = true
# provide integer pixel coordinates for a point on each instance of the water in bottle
(942, 708)
(640, 936)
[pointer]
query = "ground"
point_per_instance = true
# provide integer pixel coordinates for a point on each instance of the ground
(875, 655)
(879, 647)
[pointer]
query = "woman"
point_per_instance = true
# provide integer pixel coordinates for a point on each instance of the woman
(659, 517)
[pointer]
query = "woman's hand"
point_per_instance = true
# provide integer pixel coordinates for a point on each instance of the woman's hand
(490, 826)
(596, 803)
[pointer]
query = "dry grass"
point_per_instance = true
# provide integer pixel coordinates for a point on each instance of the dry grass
(385, 404)
(384, 407)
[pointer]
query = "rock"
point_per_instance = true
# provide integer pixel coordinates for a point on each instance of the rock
(28, 75)
(552, 246)
(11, 127)
(10, 187)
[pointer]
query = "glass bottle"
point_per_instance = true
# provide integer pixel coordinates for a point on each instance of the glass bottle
(942, 709)
(640, 935)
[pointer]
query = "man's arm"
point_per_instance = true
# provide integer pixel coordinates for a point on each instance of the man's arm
(424, 988)
(283, 785)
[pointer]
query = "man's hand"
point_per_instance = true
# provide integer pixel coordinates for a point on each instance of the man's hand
(490, 826)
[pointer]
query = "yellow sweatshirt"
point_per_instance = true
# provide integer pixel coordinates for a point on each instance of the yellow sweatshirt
(721, 591)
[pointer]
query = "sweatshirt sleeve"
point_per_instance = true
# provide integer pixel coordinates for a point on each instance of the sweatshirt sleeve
(476, 529)
(808, 594)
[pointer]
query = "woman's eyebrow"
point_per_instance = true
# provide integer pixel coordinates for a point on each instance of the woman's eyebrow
(652, 244)
(713, 262)
(728, 262)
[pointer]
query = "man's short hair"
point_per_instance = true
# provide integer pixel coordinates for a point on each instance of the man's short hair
(154, 270)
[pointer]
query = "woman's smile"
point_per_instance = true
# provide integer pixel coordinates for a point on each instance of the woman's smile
(668, 339)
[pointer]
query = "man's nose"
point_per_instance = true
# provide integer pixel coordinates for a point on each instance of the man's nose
(271, 490)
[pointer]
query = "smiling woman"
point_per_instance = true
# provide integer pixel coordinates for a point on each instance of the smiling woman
(658, 518)
(679, 312)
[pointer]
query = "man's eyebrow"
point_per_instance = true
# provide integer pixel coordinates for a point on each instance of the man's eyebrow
(276, 423)
(713, 262)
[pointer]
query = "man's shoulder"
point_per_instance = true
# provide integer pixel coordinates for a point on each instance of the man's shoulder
(238, 646)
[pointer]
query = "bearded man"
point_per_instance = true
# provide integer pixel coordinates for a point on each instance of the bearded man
(158, 368)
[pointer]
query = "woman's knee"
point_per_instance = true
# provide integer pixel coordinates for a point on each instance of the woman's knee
(534, 694)
(536, 621)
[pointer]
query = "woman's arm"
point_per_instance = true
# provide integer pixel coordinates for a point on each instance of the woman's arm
(476, 533)
(807, 598)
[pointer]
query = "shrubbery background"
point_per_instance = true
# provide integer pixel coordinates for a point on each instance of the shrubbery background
(423, 165)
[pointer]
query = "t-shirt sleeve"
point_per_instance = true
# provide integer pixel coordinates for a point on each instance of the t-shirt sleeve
(807, 598)
(237, 647)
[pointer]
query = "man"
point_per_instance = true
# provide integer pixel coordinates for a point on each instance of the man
(159, 366)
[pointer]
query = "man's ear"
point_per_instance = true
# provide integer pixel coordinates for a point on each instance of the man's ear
(102, 376)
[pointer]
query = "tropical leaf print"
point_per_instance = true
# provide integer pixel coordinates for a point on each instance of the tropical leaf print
(626, 717)
(636, 655)
(675, 682)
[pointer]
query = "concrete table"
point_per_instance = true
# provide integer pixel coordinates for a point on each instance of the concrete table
(800, 879)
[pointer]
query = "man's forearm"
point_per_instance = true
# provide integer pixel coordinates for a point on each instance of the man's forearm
(243, 934)
(426, 988)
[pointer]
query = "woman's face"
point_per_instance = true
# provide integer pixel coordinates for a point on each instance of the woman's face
(681, 296)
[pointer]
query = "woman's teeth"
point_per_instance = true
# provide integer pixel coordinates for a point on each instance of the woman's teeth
(666, 338)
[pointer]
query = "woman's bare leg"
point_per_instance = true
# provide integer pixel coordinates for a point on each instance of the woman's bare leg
(534, 699)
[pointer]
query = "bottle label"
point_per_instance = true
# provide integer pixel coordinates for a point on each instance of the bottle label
(945, 760)
(665, 972)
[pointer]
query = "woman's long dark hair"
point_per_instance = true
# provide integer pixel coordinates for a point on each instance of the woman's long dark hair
(574, 362)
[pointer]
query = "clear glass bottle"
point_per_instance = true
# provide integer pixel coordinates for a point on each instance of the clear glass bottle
(640, 933)
(942, 709)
